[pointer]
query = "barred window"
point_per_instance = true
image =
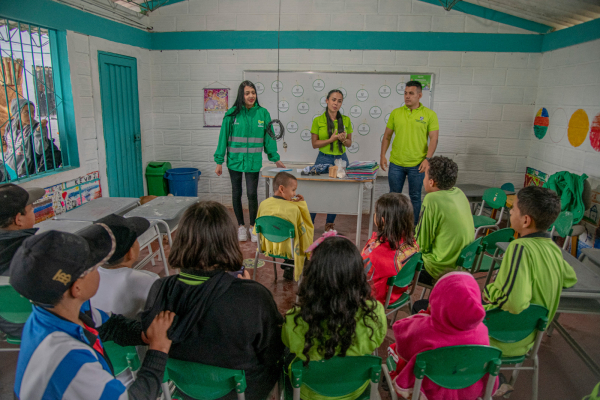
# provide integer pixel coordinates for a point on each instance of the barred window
(32, 113)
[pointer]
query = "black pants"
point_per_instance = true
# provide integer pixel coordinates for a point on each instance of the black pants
(425, 278)
(251, 191)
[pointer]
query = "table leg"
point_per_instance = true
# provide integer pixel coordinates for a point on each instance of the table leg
(359, 215)
(574, 243)
(577, 348)
(371, 210)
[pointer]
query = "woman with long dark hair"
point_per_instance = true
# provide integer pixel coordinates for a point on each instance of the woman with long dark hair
(331, 133)
(222, 321)
(243, 137)
(335, 314)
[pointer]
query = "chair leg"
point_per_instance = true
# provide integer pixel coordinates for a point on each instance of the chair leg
(551, 326)
(275, 270)
(489, 274)
(150, 252)
(417, 389)
(386, 374)
(513, 378)
(166, 391)
(255, 266)
(536, 374)
(574, 241)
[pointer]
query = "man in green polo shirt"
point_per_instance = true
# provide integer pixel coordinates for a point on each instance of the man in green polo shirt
(413, 124)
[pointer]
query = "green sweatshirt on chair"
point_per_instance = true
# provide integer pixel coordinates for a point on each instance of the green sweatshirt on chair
(243, 138)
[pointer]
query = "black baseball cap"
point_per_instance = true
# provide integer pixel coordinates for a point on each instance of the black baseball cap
(15, 198)
(47, 265)
(126, 231)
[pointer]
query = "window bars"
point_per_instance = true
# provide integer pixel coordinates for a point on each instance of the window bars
(28, 103)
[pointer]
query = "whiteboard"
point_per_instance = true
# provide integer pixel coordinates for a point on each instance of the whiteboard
(369, 98)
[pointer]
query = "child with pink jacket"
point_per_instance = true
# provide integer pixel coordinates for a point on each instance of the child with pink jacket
(455, 317)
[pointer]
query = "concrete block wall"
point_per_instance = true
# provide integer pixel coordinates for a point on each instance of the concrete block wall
(319, 15)
(569, 79)
(484, 102)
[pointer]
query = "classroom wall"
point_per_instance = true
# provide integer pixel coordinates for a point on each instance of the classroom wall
(569, 80)
(83, 61)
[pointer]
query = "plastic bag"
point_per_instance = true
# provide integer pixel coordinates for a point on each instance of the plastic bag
(341, 172)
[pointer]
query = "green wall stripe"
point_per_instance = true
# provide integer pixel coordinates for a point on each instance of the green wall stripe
(57, 16)
(577, 34)
(498, 16)
(330, 40)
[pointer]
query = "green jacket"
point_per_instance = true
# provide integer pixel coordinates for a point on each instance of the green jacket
(243, 137)
(569, 188)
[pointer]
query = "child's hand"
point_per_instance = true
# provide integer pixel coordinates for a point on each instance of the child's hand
(156, 335)
(297, 198)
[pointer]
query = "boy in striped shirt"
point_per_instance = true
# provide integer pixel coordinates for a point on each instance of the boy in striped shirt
(533, 270)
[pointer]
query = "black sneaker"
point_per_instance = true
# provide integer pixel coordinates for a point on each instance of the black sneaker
(288, 274)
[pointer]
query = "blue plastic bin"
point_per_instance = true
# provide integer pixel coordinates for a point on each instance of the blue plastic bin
(183, 181)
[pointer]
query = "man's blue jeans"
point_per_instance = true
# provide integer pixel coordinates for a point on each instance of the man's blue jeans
(396, 177)
(323, 158)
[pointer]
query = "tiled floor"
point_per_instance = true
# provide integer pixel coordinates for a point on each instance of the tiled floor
(563, 376)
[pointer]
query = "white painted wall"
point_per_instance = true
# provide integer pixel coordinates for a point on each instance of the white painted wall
(485, 104)
(569, 80)
(83, 61)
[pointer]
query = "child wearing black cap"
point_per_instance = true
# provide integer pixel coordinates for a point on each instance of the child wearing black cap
(62, 355)
(122, 289)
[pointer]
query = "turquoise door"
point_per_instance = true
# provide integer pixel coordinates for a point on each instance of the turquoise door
(121, 120)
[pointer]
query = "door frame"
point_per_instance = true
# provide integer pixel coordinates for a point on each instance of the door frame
(102, 150)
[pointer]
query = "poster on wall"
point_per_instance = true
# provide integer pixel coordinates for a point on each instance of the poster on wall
(534, 177)
(67, 196)
(216, 102)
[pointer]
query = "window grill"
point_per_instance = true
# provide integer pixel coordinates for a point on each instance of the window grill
(29, 124)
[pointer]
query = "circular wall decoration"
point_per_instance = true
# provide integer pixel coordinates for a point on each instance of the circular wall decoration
(364, 129)
(557, 128)
(277, 86)
(318, 85)
(303, 108)
(362, 95)
(387, 118)
(540, 123)
(355, 111)
(579, 124)
(385, 91)
(260, 88)
(323, 102)
(353, 148)
(283, 106)
(305, 135)
(297, 91)
(292, 127)
(352, 124)
(595, 133)
(400, 88)
(381, 139)
(341, 89)
(375, 112)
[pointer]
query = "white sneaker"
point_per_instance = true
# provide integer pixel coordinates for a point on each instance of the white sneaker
(253, 237)
(242, 234)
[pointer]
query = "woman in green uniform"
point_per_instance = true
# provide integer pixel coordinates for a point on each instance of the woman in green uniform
(243, 137)
(331, 134)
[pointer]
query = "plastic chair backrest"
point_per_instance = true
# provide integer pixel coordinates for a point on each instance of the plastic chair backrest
(457, 367)
(324, 376)
(469, 254)
(494, 197)
(503, 235)
(121, 358)
(508, 187)
(205, 382)
(407, 273)
(13, 307)
(275, 229)
(510, 328)
(563, 224)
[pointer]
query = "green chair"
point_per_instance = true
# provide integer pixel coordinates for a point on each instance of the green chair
(563, 227)
(509, 187)
(204, 382)
(511, 328)
(326, 378)
(496, 199)
(408, 276)
(15, 309)
(276, 230)
(491, 255)
(122, 358)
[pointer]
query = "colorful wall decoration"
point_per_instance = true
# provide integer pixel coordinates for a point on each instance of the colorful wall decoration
(67, 196)
(595, 133)
(579, 124)
(540, 123)
(534, 177)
